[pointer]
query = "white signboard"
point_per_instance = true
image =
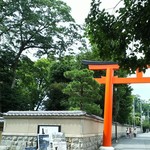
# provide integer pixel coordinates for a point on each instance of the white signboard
(50, 138)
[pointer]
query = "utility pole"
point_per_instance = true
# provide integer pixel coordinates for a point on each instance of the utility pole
(148, 114)
(141, 115)
(1, 83)
(133, 112)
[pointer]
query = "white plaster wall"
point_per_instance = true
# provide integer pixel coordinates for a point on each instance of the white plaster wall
(72, 127)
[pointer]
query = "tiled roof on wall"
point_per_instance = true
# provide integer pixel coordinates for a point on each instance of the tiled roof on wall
(45, 113)
(50, 113)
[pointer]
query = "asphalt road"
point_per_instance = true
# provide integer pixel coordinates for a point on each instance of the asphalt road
(141, 142)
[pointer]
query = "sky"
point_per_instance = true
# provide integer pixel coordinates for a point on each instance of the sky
(80, 10)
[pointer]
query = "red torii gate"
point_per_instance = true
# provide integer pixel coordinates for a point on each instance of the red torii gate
(109, 80)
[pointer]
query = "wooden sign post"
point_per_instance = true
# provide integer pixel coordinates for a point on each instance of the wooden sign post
(109, 80)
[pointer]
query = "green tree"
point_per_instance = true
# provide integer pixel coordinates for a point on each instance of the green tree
(145, 111)
(83, 91)
(33, 81)
(141, 108)
(39, 84)
(123, 36)
(57, 100)
(6, 75)
(137, 109)
(43, 26)
(124, 109)
(146, 125)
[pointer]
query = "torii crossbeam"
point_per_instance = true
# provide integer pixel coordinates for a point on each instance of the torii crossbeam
(109, 80)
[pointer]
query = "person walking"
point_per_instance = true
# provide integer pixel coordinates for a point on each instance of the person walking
(135, 132)
(130, 132)
(127, 132)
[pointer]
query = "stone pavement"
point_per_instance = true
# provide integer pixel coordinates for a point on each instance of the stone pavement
(141, 142)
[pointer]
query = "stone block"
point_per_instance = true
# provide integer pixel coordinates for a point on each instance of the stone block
(4, 148)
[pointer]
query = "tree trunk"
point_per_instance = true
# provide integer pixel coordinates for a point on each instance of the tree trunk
(14, 66)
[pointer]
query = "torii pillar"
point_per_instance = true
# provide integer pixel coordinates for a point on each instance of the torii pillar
(109, 80)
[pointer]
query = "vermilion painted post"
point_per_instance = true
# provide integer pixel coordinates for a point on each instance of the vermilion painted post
(107, 135)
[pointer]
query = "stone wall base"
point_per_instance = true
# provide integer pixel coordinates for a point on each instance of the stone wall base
(84, 143)
(73, 143)
(17, 142)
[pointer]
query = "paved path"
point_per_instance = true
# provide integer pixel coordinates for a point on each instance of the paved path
(141, 142)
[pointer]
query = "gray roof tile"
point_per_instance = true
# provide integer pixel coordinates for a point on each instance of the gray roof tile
(45, 113)
(50, 113)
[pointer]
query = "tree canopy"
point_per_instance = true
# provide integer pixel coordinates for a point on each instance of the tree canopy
(83, 91)
(123, 36)
(43, 26)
